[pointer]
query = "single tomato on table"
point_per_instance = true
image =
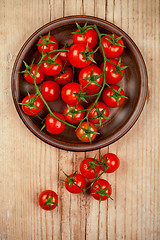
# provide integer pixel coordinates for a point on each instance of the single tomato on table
(75, 183)
(32, 104)
(110, 160)
(53, 125)
(99, 113)
(113, 45)
(80, 55)
(114, 71)
(101, 190)
(47, 43)
(113, 96)
(50, 90)
(86, 132)
(51, 65)
(48, 200)
(74, 114)
(89, 168)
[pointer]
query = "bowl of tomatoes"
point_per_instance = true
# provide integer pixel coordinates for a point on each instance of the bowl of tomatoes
(79, 83)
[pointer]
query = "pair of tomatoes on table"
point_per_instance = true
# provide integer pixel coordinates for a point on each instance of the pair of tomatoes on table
(76, 183)
(73, 74)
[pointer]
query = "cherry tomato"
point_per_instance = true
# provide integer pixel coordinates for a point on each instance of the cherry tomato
(77, 179)
(88, 168)
(110, 160)
(47, 47)
(48, 200)
(63, 55)
(87, 135)
(74, 114)
(39, 77)
(50, 90)
(91, 72)
(51, 69)
(112, 47)
(98, 113)
(65, 77)
(53, 125)
(112, 74)
(102, 188)
(76, 58)
(116, 100)
(32, 104)
(68, 93)
(90, 36)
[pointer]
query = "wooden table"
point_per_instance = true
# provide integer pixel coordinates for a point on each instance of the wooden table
(29, 166)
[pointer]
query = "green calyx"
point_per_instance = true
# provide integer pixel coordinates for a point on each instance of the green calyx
(49, 201)
(81, 95)
(30, 103)
(93, 165)
(28, 68)
(72, 111)
(70, 179)
(100, 115)
(46, 40)
(113, 40)
(81, 30)
(92, 79)
(102, 192)
(87, 54)
(51, 60)
(117, 94)
(88, 132)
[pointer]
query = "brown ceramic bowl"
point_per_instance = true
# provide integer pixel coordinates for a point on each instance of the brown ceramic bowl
(121, 119)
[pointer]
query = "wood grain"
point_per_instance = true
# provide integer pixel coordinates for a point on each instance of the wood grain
(29, 166)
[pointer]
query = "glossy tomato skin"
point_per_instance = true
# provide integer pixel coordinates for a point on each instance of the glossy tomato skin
(53, 125)
(52, 69)
(63, 55)
(78, 180)
(86, 73)
(90, 37)
(76, 58)
(43, 199)
(103, 184)
(50, 90)
(110, 76)
(77, 116)
(50, 46)
(111, 101)
(65, 77)
(93, 113)
(112, 162)
(80, 132)
(68, 95)
(39, 77)
(113, 51)
(38, 103)
(89, 172)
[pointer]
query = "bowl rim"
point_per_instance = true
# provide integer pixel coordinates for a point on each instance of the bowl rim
(125, 128)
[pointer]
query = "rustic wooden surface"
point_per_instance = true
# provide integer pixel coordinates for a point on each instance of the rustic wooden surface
(29, 166)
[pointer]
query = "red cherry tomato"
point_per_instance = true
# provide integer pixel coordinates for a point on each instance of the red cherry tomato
(112, 75)
(90, 37)
(88, 169)
(112, 101)
(39, 77)
(110, 160)
(75, 56)
(53, 125)
(48, 200)
(98, 113)
(63, 55)
(74, 114)
(51, 69)
(48, 47)
(90, 72)
(111, 47)
(103, 192)
(33, 105)
(79, 180)
(65, 77)
(87, 135)
(50, 90)
(68, 93)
